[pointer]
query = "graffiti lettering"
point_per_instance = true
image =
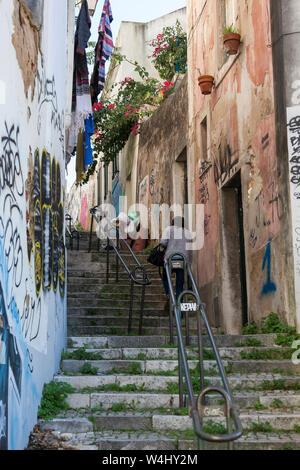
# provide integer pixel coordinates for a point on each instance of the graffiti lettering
(269, 286)
(206, 224)
(253, 238)
(47, 95)
(46, 225)
(225, 165)
(10, 360)
(294, 137)
(10, 166)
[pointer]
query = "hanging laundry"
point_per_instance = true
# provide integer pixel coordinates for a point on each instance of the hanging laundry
(89, 131)
(81, 98)
(103, 50)
(80, 157)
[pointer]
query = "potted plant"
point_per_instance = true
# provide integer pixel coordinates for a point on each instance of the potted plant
(232, 40)
(206, 83)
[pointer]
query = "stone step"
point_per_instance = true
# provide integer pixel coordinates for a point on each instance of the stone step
(116, 296)
(160, 341)
(118, 317)
(117, 330)
(84, 276)
(244, 367)
(172, 353)
(257, 441)
(117, 302)
(97, 287)
(238, 383)
(282, 421)
(117, 311)
(154, 401)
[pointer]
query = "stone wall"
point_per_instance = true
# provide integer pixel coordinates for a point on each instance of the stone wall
(32, 200)
(234, 169)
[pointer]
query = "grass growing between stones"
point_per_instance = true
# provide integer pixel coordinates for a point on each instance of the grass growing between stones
(81, 354)
(87, 369)
(266, 354)
(54, 400)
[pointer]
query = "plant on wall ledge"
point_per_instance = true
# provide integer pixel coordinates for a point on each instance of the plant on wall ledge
(232, 40)
(170, 51)
(118, 117)
(206, 83)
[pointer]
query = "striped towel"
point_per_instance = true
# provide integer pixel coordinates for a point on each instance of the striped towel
(107, 44)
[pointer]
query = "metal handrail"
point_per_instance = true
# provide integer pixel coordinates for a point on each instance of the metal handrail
(198, 407)
(73, 234)
(137, 274)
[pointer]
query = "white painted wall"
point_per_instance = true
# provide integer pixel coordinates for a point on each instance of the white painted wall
(32, 316)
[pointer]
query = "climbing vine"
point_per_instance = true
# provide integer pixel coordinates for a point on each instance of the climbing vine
(120, 115)
(170, 51)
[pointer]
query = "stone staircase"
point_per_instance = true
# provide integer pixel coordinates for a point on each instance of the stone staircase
(126, 386)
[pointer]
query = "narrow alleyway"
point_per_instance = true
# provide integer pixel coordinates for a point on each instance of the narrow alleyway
(126, 390)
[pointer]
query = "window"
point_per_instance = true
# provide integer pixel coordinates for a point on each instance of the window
(115, 167)
(228, 17)
(203, 131)
(229, 14)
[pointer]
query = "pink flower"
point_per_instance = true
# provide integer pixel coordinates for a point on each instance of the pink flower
(111, 106)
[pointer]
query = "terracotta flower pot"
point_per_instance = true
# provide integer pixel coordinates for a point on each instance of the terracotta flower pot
(232, 42)
(206, 83)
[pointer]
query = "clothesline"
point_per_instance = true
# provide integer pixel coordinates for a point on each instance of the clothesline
(85, 91)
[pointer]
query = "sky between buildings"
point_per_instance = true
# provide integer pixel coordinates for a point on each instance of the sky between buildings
(127, 10)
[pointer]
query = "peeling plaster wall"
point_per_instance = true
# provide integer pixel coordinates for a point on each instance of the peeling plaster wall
(241, 140)
(32, 201)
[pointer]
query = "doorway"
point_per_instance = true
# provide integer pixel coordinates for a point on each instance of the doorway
(233, 258)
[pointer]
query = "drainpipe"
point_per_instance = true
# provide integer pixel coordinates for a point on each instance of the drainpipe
(285, 22)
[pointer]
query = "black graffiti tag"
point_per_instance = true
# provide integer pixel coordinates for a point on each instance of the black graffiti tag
(11, 176)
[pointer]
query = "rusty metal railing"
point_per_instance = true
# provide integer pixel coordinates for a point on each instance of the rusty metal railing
(198, 406)
(136, 273)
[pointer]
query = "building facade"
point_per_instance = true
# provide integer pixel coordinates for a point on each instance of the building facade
(120, 178)
(35, 105)
(236, 167)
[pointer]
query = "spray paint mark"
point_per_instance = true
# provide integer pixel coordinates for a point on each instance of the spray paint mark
(269, 286)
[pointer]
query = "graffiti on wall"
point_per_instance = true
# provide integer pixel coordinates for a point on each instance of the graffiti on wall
(47, 95)
(268, 286)
(226, 157)
(45, 236)
(11, 190)
(293, 123)
(15, 362)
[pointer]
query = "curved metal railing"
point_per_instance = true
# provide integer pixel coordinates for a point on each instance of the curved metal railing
(136, 274)
(198, 407)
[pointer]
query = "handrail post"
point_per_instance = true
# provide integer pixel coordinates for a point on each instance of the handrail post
(171, 307)
(107, 261)
(117, 258)
(142, 310)
(130, 306)
(91, 234)
(180, 375)
(200, 350)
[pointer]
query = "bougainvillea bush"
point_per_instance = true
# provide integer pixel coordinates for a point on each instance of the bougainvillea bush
(170, 51)
(121, 115)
